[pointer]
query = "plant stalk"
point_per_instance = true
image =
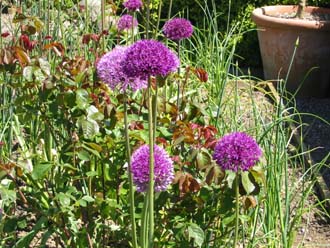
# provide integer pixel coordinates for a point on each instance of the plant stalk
(179, 71)
(103, 23)
(151, 167)
(130, 178)
(236, 208)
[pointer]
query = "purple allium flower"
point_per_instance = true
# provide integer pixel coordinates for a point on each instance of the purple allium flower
(163, 170)
(126, 22)
(149, 58)
(178, 29)
(110, 71)
(133, 5)
(237, 151)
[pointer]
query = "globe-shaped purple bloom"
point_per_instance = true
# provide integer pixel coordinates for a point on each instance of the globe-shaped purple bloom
(149, 58)
(163, 169)
(110, 71)
(133, 5)
(237, 151)
(178, 29)
(126, 22)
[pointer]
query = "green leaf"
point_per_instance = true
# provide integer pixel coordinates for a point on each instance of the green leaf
(89, 127)
(39, 75)
(164, 131)
(10, 225)
(91, 149)
(230, 178)
(22, 224)
(178, 140)
(83, 155)
(88, 198)
(203, 159)
(64, 199)
(196, 233)
(40, 170)
(37, 23)
(259, 174)
(28, 73)
(244, 218)
(82, 99)
(91, 173)
(227, 220)
(247, 184)
(7, 195)
(140, 135)
(94, 114)
(44, 66)
(82, 203)
(94, 146)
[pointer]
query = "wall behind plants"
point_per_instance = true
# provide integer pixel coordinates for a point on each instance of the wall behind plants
(240, 11)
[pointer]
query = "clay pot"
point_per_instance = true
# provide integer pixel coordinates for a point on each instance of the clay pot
(277, 38)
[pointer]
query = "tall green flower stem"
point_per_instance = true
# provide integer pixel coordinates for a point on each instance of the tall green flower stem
(130, 178)
(103, 23)
(179, 72)
(151, 167)
(144, 224)
(147, 226)
(128, 152)
(170, 10)
(148, 19)
(236, 208)
(158, 18)
(0, 23)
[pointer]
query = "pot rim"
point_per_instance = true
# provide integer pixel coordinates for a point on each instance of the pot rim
(261, 19)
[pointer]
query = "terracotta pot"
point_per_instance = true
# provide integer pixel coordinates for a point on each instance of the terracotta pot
(277, 38)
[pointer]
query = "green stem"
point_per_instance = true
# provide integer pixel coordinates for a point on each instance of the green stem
(158, 19)
(144, 225)
(178, 95)
(151, 168)
(103, 23)
(236, 208)
(170, 10)
(148, 19)
(134, 16)
(130, 178)
(154, 113)
(0, 23)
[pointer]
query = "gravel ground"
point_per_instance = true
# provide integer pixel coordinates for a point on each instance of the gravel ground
(314, 230)
(316, 131)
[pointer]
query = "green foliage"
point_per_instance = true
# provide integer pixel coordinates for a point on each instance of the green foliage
(63, 163)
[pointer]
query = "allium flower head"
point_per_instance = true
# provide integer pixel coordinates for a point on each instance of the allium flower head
(178, 29)
(110, 71)
(133, 5)
(163, 170)
(149, 58)
(237, 151)
(126, 22)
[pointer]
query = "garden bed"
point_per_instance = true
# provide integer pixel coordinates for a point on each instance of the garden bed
(315, 113)
(68, 131)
